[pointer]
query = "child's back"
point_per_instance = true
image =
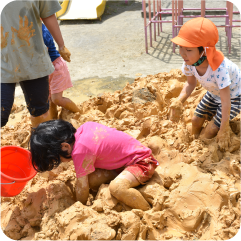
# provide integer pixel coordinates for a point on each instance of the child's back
(98, 146)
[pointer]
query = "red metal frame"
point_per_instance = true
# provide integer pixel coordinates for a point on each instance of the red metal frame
(177, 18)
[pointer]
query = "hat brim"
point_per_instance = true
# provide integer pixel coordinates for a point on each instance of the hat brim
(182, 42)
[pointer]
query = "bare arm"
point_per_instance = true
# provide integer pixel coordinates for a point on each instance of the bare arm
(82, 189)
(177, 103)
(188, 88)
(52, 25)
(226, 106)
(223, 136)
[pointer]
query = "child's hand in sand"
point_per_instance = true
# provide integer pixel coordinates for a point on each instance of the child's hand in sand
(65, 54)
(176, 109)
(223, 138)
(82, 189)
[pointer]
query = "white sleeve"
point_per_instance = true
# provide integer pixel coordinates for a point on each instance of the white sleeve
(186, 70)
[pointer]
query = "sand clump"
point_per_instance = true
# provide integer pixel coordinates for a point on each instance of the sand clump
(194, 193)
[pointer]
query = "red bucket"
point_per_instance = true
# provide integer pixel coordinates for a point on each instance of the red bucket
(16, 170)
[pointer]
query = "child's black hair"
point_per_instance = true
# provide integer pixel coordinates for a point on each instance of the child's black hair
(45, 144)
(201, 49)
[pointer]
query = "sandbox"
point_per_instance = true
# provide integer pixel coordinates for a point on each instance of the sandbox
(194, 193)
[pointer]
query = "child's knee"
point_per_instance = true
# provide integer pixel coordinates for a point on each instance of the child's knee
(118, 187)
(56, 101)
(210, 131)
(197, 121)
(212, 128)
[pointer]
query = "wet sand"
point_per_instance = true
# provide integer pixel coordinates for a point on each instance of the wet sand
(194, 193)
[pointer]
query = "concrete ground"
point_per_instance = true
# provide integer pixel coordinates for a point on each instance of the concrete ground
(109, 53)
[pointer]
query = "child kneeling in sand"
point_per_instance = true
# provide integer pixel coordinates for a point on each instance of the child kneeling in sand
(100, 154)
(217, 74)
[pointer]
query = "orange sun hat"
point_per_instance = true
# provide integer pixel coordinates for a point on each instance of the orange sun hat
(199, 32)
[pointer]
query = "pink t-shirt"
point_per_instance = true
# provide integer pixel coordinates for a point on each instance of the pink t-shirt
(99, 146)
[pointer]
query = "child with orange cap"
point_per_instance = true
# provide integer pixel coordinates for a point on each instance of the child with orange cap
(217, 74)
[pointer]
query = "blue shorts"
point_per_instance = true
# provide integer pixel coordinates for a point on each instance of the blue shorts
(36, 94)
(209, 108)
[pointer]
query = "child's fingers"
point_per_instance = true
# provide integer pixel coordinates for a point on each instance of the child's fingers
(65, 54)
(25, 21)
(175, 114)
(172, 114)
(221, 145)
(68, 58)
(224, 144)
(20, 22)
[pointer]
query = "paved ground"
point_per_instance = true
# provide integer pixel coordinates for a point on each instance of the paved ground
(108, 53)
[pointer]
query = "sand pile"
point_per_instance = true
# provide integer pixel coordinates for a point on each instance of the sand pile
(194, 193)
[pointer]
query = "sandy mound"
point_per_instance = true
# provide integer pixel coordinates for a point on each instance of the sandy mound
(194, 193)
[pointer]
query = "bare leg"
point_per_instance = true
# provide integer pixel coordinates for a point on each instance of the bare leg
(42, 118)
(209, 131)
(122, 189)
(93, 181)
(197, 123)
(68, 104)
(100, 176)
(53, 109)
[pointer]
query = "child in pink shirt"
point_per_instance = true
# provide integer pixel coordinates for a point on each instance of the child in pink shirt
(100, 154)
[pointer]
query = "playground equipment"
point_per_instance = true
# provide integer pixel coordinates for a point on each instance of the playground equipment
(177, 12)
(16, 170)
(81, 9)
